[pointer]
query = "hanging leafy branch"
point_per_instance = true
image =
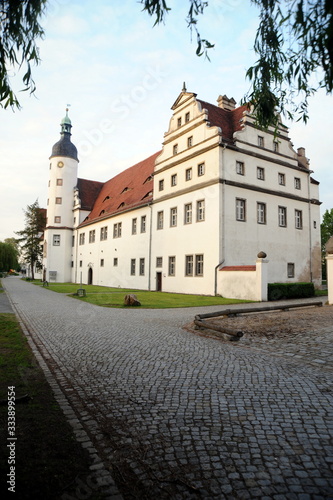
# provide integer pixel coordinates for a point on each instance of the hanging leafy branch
(294, 43)
(159, 9)
(19, 30)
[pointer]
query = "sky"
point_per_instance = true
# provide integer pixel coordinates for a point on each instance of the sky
(120, 76)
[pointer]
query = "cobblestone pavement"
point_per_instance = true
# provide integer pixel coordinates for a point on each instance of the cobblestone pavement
(173, 415)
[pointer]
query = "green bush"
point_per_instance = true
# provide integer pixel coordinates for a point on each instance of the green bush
(278, 291)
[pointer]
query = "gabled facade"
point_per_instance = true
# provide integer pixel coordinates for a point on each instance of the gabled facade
(219, 192)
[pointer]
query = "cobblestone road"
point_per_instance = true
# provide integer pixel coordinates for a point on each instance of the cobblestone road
(173, 415)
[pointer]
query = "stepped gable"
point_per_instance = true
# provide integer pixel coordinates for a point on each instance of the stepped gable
(129, 189)
(228, 120)
(88, 192)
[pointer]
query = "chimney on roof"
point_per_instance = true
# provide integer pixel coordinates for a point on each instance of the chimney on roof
(225, 103)
(303, 160)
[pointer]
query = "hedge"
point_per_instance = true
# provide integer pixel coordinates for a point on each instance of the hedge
(278, 291)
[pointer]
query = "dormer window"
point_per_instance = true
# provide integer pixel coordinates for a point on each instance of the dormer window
(147, 195)
(106, 198)
(150, 178)
(124, 190)
(121, 205)
(102, 212)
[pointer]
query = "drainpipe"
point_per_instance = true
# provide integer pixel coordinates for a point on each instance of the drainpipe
(222, 222)
(76, 252)
(310, 226)
(215, 283)
(150, 243)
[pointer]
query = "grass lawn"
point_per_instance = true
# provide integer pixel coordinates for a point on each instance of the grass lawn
(48, 459)
(114, 297)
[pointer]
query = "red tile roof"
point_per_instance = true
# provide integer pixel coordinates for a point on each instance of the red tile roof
(228, 121)
(129, 189)
(88, 192)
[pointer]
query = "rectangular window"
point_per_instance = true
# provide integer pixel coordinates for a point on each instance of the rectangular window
(56, 240)
(188, 174)
(73, 241)
(159, 261)
(240, 170)
(132, 267)
(179, 122)
(80, 263)
(102, 262)
(115, 261)
(57, 219)
(175, 149)
(200, 210)
(188, 213)
(282, 216)
(117, 230)
(260, 141)
(201, 169)
(143, 224)
(291, 270)
(134, 226)
(92, 235)
(187, 117)
(240, 209)
(261, 213)
(297, 183)
(298, 219)
(173, 217)
(275, 146)
(174, 180)
(72, 263)
(58, 201)
(82, 239)
(160, 220)
(199, 261)
(104, 233)
(260, 173)
(142, 267)
(172, 266)
(190, 141)
(161, 185)
(59, 182)
(282, 179)
(189, 265)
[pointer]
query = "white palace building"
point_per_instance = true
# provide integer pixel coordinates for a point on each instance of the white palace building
(193, 217)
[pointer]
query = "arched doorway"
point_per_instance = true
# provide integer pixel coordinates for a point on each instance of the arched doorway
(90, 276)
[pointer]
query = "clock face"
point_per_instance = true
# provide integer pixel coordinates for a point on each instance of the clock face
(60, 164)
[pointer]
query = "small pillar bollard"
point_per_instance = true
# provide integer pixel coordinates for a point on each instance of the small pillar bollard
(329, 261)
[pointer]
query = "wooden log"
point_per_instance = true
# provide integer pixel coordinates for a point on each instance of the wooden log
(212, 326)
(253, 310)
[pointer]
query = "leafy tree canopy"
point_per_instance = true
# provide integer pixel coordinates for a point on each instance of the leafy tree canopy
(326, 227)
(8, 256)
(294, 42)
(30, 236)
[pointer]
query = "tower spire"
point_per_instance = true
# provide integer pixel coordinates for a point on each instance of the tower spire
(66, 123)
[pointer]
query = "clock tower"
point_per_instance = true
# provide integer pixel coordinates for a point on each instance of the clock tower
(59, 219)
